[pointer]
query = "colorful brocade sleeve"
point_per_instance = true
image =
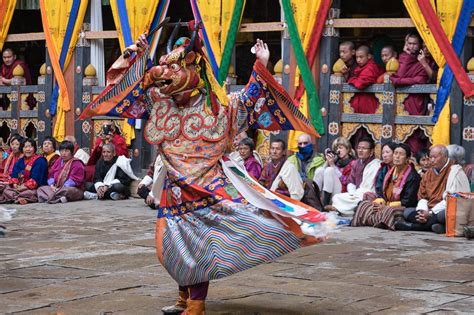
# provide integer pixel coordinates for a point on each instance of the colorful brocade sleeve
(264, 104)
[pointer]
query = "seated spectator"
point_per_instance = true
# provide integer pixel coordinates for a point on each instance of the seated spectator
(332, 177)
(280, 175)
(66, 178)
(388, 52)
(364, 75)
(108, 135)
(399, 191)
(457, 154)
(78, 152)
(145, 187)
(411, 72)
(6, 75)
(361, 180)
(49, 151)
(443, 177)
(385, 167)
(248, 158)
(346, 54)
(307, 161)
(13, 154)
(29, 173)
(423, 161)
(113, 176)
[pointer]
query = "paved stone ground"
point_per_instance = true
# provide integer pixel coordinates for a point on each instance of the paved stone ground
(96, 257)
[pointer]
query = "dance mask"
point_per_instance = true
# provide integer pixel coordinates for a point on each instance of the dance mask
(178, 72)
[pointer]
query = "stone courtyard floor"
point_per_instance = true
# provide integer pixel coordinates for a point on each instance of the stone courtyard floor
(98, 257)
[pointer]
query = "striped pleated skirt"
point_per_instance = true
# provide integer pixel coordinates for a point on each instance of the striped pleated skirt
(219, 241)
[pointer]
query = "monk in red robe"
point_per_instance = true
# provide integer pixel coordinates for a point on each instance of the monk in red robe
(347, 53)
(365, 74)
(410, 72)
(388, 52)
(6, 75)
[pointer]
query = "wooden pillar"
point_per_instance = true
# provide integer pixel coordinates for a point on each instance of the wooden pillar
(15, 109)
(389, 108)
(468, 120)
(41, 105)
(139, 153)
(83, 92)
(329, 97)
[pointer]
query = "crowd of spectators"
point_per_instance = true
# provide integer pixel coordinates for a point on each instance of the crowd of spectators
(398, 192)
(54, 174)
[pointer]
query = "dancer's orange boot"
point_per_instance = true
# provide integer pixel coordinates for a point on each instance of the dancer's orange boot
(179, 306)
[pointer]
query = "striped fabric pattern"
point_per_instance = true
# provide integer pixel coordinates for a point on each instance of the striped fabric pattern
(219, 241)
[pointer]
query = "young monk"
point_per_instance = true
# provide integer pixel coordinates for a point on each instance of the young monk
(346, 54)
(365, 74)
(388, 52)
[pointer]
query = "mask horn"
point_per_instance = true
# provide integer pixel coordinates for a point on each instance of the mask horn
(193, 39)
(169, 46)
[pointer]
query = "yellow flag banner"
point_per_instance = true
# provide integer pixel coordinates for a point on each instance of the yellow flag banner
(7, 8)
(305, 13)
(62, 22)
(448, 12)
(132, 18)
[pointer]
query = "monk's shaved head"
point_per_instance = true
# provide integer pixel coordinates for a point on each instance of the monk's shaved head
(364, 49)
(390, 48)
(347, 44)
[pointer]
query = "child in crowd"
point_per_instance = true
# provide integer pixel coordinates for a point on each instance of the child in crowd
(423, 161)
(365, 74)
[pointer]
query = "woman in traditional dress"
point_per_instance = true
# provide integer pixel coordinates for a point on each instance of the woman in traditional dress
(49, 151)
(29, 173)
(386, 165)
(66, 178)
(14, 154)
(399, 191)
(248, 158)
(332, 177)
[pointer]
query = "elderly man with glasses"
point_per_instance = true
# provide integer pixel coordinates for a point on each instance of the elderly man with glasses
(361, 179)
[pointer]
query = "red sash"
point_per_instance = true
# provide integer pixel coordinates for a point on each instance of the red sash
(29, 165)
(9, 163)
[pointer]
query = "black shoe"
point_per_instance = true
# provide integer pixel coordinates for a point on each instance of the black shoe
(438, 228)
(403, 226)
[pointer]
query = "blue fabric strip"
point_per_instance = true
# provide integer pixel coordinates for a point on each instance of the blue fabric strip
(460, 34)
(64, 49)
(126, 32)
(124, 24)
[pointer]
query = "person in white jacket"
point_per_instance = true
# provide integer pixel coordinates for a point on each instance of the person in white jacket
(145, 187)
(112, 178)
(361, 179)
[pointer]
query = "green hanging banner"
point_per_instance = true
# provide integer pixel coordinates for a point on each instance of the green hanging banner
(314, 104)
